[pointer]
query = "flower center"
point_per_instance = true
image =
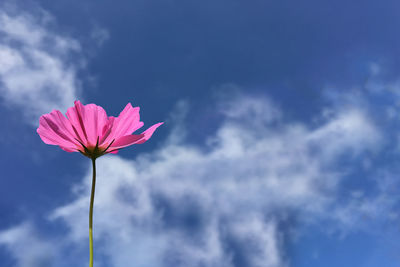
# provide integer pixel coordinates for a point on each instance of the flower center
(94, 152)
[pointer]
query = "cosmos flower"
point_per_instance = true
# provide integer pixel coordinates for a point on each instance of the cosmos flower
(88, 130)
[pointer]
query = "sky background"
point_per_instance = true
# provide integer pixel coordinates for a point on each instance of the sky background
(280, 145)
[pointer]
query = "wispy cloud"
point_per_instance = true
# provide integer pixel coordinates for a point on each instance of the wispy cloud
(31, 250)
(36, 70)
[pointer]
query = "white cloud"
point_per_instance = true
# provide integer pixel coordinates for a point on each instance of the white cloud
(262, 239)
(35, 69)
(27, 248)
(349, 132)
(100, 35)
(365, 211)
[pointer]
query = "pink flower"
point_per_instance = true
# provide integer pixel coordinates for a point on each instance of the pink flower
(87, 129)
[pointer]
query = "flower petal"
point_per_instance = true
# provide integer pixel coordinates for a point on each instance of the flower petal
(52, 139)
(127, 122)
(95, 118)
(128, 140)
(54, 130)
(107, 131)
(149, 132)
(75, 115)
(65, 125)
(68, 149)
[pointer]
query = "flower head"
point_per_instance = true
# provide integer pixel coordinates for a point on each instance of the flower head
(88, 129)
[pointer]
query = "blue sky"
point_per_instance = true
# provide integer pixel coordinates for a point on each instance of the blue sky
(279, 148)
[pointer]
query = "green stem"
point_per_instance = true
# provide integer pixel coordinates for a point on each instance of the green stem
(91, 213)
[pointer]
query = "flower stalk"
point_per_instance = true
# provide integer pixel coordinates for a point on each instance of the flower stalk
(91, 212)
